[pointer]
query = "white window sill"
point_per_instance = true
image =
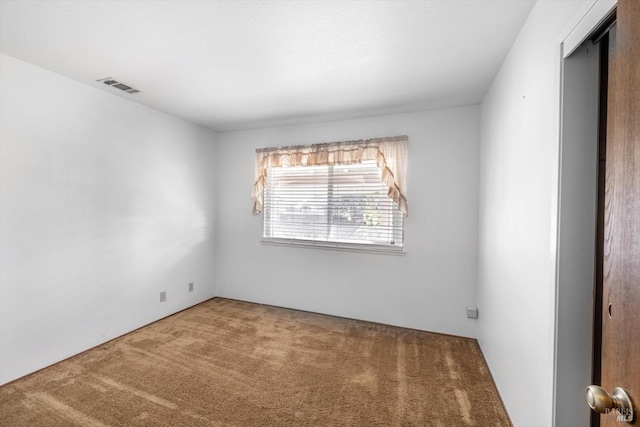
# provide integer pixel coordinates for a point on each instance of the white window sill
(333, 246)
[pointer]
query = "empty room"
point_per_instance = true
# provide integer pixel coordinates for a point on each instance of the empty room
(319, 213)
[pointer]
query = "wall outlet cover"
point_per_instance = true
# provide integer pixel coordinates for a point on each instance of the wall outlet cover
(472, 312)
(163, 296)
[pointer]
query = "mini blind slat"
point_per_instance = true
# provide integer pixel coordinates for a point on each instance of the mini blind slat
(339, 204)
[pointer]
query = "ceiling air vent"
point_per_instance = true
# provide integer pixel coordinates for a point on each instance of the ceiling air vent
(118, 85)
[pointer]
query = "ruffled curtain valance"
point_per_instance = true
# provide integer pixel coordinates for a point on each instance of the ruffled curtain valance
(389, 153)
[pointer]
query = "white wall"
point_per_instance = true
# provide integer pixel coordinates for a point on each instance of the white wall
(518, 215)
(103, 204)
(428, 288)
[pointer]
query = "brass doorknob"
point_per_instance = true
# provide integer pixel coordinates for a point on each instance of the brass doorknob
(620, 402)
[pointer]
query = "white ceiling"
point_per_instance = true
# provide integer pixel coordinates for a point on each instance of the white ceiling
(231, 65)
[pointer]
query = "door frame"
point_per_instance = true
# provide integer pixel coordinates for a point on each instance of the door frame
(578, 166)
(574, 282)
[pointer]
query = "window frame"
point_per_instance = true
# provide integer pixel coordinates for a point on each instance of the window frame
(374, 247)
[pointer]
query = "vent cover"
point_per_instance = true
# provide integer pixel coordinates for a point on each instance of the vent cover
(109, 81)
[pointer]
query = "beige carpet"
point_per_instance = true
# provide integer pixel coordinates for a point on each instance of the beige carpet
(226, 362)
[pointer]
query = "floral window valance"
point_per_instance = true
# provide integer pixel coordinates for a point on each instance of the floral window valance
(389, 153)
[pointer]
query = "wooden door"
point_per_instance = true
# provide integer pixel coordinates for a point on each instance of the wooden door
(621, 267)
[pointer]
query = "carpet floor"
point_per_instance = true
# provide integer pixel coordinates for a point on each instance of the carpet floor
(225, 362)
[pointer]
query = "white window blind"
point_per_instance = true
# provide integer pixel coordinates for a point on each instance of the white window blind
(331, 205)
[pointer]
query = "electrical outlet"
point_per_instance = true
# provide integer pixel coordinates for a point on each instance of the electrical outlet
(190, 286)
(472, 312)
(163, 296)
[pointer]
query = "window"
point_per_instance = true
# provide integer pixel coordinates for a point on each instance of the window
(341, 195)
(338, 204)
